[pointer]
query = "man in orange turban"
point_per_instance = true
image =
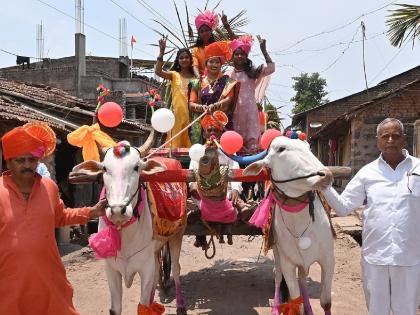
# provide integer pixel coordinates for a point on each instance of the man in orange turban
(32, 277)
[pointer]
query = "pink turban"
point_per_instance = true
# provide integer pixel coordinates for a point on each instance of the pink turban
(244, 42)
(208, 18)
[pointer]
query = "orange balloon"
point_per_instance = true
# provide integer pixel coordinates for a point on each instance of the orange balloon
(231, 142)
(268, 136)
(110, 114)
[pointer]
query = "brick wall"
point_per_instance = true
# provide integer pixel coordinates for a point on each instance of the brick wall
(327, 113)
(405, 106)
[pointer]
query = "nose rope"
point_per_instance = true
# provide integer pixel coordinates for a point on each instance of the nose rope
(296, 178)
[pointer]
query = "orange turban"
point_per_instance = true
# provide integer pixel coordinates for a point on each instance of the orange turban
(35, 138)
(219, 49)
(218, 120)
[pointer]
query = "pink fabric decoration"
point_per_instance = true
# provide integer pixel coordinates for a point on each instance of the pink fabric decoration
(244, 42)
(217, 211)
(39, 153)
(261, 214)
(107, 242)
(208, 18)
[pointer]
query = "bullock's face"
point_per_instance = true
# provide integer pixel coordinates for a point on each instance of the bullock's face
(287, 159)
(121, 181)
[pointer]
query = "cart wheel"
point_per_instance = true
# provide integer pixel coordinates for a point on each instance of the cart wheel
(165, 267)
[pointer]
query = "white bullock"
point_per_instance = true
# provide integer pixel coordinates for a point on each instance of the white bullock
(138, 248)
(300, 239)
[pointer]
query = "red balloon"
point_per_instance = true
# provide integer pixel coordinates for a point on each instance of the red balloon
(110, 114)
(268, 136)
(231, 142)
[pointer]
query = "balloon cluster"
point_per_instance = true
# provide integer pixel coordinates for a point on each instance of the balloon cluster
(296, 134)
(152, 97)
(102, 92)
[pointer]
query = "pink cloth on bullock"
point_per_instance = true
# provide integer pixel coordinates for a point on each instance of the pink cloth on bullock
(107, 242)
(217, 211)
(261, 214)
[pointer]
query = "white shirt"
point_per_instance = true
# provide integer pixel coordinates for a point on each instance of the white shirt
(391, 220)
(223, 160)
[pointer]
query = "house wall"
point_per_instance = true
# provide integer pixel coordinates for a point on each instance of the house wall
(405, 106)
(327, 113)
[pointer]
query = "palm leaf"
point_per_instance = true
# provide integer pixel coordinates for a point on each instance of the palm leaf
(171, 32)
(161, 34)
(180, 23)
(205, 7)
(217, 5)
(404, 24)
(236, 23)
(190, 30)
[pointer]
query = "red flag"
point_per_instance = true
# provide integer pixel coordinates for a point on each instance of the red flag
(133, 40)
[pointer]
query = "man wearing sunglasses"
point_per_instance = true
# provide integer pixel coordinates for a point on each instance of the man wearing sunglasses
(32, 277)
(391, 233)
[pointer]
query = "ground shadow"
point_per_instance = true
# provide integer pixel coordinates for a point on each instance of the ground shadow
(228, 287)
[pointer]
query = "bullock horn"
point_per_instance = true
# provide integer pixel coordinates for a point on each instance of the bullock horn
(147, 144)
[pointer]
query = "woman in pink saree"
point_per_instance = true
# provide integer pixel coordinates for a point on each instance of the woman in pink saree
(245, 119)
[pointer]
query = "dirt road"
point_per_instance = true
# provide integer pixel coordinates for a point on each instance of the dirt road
(233, 283)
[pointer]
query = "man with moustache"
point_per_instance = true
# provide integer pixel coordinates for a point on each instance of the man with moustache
(391, 234)
(32, 277)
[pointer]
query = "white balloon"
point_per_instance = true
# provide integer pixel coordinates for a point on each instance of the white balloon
(163, 120)
(196, 152)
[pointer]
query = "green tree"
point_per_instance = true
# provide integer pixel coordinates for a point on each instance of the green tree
(310, 92)
(404, 24)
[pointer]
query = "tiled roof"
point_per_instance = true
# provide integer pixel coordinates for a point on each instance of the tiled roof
(25, 102)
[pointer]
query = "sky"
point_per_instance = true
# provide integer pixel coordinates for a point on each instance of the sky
(322, 36)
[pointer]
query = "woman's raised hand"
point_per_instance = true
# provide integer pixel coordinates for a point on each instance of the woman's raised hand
(162, 43)
(263, 43)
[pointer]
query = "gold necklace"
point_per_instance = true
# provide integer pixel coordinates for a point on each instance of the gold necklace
(211, 84)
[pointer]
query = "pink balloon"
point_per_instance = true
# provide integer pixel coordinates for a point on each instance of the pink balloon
(268, 136)
(110, 114)
(231, 142)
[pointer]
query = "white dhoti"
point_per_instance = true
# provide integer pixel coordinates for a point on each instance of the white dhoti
(391, 288)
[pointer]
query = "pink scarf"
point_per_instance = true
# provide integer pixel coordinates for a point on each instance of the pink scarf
(261, 214)
(107, 242)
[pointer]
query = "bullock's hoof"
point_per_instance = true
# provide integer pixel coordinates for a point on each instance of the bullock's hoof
(181, 311)
(111, 312)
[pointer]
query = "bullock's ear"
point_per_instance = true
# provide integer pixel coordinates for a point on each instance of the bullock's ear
(86, 172)
(254, 168)
(89, 166)
(152, 166)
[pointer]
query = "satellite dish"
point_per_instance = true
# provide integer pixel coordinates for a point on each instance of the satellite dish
(315, 124)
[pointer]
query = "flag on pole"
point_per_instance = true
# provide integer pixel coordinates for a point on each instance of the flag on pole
(133, 40)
